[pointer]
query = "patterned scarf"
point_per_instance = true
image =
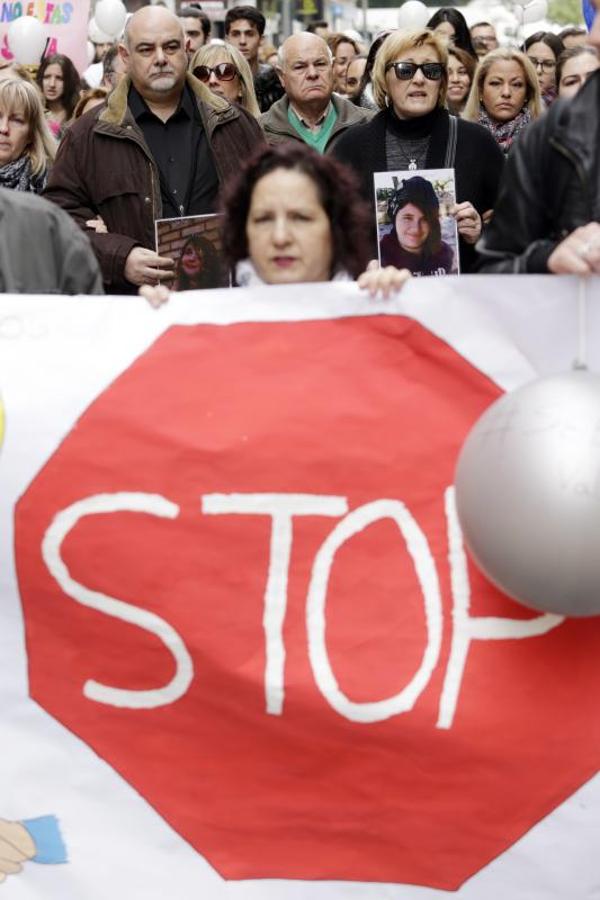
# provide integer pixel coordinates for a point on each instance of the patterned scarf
(505, 133)
(17, 176)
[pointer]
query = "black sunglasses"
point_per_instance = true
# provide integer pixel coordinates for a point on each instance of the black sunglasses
(224, 72)
(407, 70)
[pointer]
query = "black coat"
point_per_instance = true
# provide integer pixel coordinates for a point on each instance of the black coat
(550, 188)
(478, 164)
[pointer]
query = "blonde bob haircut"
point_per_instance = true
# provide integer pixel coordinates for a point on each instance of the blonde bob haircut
(397, 47)
(23, 98)
(206, 56)
(503, 54)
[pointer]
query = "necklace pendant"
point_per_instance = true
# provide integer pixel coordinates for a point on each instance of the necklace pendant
(412, 165)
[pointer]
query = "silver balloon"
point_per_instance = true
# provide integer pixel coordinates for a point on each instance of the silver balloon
(528, 494)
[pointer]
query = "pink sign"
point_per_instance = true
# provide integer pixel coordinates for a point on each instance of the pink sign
(66, 26)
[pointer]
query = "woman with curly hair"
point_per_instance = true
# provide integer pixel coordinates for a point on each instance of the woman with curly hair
(294, 216)
(59, 83)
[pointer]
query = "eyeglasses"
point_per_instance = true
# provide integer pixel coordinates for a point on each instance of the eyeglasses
(224, 72)
(547, 65)
(407, 70)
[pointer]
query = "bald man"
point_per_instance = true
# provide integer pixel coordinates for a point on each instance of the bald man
(309, 111)
(160, 148)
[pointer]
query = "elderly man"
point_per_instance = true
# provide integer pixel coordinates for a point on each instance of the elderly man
(161, 147)
(309, 111)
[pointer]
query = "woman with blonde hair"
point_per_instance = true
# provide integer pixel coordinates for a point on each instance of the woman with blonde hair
(223, 69)
(415, 131)
(505, 95)
(27, 147)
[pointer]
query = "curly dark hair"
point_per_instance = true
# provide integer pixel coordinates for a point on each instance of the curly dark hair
(71, 81)
(462, 35)
(339, 193)
(210, 276)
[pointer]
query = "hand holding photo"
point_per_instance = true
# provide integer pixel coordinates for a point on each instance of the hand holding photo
(416, 228)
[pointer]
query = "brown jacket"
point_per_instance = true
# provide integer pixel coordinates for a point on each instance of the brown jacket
(104, 167)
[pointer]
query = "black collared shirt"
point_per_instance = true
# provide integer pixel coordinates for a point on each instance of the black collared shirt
(188, 177)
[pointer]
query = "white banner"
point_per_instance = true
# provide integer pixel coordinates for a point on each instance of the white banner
(236, 473)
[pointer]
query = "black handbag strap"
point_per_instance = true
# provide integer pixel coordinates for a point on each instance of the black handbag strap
(451, 145)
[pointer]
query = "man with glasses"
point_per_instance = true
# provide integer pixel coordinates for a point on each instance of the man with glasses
(160, 148)
(484, 38)
(309, 111)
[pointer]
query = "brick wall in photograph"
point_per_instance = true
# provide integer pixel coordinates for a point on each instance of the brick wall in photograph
(173, 234)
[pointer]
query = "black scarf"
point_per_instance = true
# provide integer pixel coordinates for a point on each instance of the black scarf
(17, 176)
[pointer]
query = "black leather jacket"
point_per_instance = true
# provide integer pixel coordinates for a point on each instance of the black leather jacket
(550, 186)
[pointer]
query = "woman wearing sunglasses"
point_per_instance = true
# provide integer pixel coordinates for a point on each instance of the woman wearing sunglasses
(223, 69)
(415, 131)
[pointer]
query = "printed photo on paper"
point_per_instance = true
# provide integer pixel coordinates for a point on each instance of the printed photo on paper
(195, 244)
(415, 229)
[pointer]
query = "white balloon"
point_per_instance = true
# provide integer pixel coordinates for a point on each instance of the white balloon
(413, 14)
(27, 40)
(532, 12)
(96, 35)
(528, 493)
(535, 11)
(110, 16)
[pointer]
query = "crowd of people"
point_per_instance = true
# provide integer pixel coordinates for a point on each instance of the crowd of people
(285, 143)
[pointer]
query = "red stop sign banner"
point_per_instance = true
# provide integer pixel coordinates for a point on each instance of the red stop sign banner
(244, 588)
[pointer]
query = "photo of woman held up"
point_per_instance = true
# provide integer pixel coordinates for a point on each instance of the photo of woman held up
(195, 245)
(415, 228)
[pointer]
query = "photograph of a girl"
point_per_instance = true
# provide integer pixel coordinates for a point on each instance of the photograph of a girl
(195, 244)
(199, 266)
(412, 237)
